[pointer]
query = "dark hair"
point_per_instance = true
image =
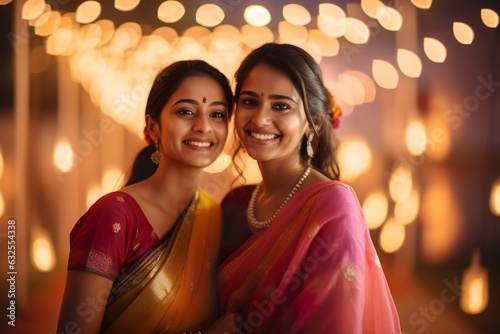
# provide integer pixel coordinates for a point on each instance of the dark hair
(306, 76)
(166, 83)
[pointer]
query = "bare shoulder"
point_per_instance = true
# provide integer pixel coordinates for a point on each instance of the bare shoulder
(332, 188)
(135, 190)
(315, 177)
(141, 193)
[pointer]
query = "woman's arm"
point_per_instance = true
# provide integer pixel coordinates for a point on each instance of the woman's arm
(84, 301)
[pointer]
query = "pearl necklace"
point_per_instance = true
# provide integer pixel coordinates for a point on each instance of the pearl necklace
(251, 206)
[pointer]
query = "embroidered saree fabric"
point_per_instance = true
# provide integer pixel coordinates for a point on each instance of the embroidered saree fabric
(170, 288)
(314, 270)
(111, 236)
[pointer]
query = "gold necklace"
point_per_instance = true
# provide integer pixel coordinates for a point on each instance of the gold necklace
(251, 206)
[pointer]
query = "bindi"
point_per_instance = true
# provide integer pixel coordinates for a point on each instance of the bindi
(204, 99)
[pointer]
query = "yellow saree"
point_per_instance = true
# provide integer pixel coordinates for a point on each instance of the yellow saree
(173, 289)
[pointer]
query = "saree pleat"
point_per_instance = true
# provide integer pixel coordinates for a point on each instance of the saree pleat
(172, 290)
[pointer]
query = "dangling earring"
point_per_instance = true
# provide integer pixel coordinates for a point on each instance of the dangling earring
(156, 156)
(309, 148)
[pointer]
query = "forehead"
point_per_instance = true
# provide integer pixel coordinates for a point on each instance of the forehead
(266, 79)
(195, 86)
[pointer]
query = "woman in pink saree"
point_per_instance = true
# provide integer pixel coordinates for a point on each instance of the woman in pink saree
(306, 263)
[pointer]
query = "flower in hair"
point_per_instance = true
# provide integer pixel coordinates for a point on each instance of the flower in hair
(147, 138)
(335, 113)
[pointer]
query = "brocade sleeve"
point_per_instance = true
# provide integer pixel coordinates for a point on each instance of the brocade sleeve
(109, 237)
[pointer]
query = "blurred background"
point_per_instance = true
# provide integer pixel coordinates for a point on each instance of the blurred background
(417, 82)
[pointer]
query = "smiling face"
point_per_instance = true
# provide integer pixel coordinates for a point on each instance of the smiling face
(193, 124)
(270, 117)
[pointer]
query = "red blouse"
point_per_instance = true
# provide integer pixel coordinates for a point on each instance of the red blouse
(111, 236)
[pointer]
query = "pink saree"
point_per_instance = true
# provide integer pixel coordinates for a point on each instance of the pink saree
(314, 270)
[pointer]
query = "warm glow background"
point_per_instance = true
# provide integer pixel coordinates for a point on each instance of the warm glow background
(417, 82)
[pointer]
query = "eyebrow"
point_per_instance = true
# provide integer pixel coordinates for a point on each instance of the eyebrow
(196, 103)
(271, 96)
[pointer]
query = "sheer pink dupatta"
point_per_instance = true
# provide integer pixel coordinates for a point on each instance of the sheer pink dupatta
(315, 269)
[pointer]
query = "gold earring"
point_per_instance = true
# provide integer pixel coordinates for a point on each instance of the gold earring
(309, 148)
(156, 156)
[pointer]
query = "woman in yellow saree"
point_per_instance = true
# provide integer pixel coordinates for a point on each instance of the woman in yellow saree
(143, 259)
